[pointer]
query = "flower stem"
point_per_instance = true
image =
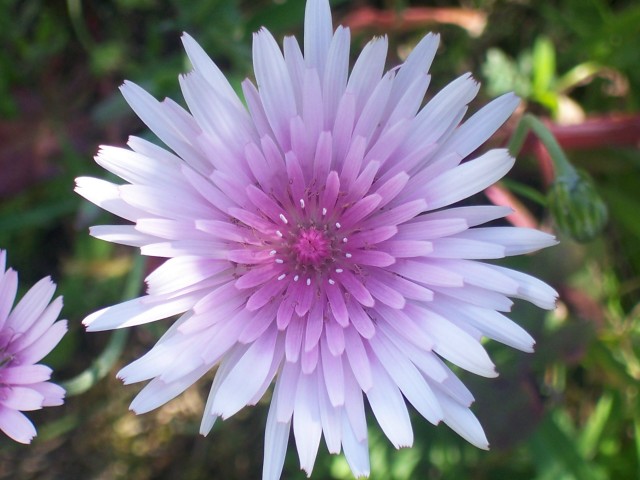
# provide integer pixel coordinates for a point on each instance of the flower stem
(529, 122)
(105, 361)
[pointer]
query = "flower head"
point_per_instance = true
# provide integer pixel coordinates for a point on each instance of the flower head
(27, 334)
(577, 209)
(307, 243)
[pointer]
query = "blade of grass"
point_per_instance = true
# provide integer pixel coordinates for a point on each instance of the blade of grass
(558, 452)
(590, 437)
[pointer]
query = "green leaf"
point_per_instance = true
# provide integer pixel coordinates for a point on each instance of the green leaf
(544, 73)
(544, 66)
(592, 432)
(557, 455)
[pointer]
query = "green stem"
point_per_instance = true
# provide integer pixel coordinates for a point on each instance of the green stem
(74, 8)
(525, 191)
(100, 366)
(636, 431)
(107, 359)
(529, 122)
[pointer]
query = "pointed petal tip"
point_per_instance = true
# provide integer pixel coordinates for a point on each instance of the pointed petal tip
(404, 445)
(510, 97)
(91, 324)
(26, 440)
(90, 327)
(362, 475)
(87, 324)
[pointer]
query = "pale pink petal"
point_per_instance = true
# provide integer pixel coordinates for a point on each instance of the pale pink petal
(274, 84)
(138, 311)
(53, 394)
(330, 418)
(407, 377)
(465, 352)
(16, 425)
(157, 392)
(467, 179)
(24, 374)
(21, 398)
(8, 290)
(336, 72)
(246, 376)
(122, 234)
(388, 407)
(463, 422)
(31, 306)
(40, 326)
(355, 451)
(39, 348)
(276, 436)
(307, 426)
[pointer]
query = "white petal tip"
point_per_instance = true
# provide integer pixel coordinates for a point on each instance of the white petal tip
(492, 373)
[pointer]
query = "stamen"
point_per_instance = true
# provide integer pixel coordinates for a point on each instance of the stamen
(348, 255)
(283, 218)
(344, 240)
(301, 203)
(308, 282)
(279, 233)
(279, 260)
(338, 225)
(296, 278)
(339, 270)
(272, 252)
(282, 276)
(332, 282)
(324, 211)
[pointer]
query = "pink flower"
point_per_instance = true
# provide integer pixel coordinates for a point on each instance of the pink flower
(27, 334)
(307, 242)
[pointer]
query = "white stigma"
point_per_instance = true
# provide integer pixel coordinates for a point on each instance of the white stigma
(348, 255)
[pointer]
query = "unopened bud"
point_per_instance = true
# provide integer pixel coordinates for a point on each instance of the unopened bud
(578, 210)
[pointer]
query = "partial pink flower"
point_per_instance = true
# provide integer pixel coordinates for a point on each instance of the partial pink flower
(308, 243)
(27, 334)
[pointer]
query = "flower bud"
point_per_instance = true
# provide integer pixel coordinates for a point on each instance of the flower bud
(577, 209)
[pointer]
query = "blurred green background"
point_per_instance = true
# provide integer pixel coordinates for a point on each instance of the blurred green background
(570, 411)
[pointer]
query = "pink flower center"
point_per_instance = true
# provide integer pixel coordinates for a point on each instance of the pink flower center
(311, 246)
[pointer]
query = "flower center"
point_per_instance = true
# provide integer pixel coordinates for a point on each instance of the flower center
(311, 246)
